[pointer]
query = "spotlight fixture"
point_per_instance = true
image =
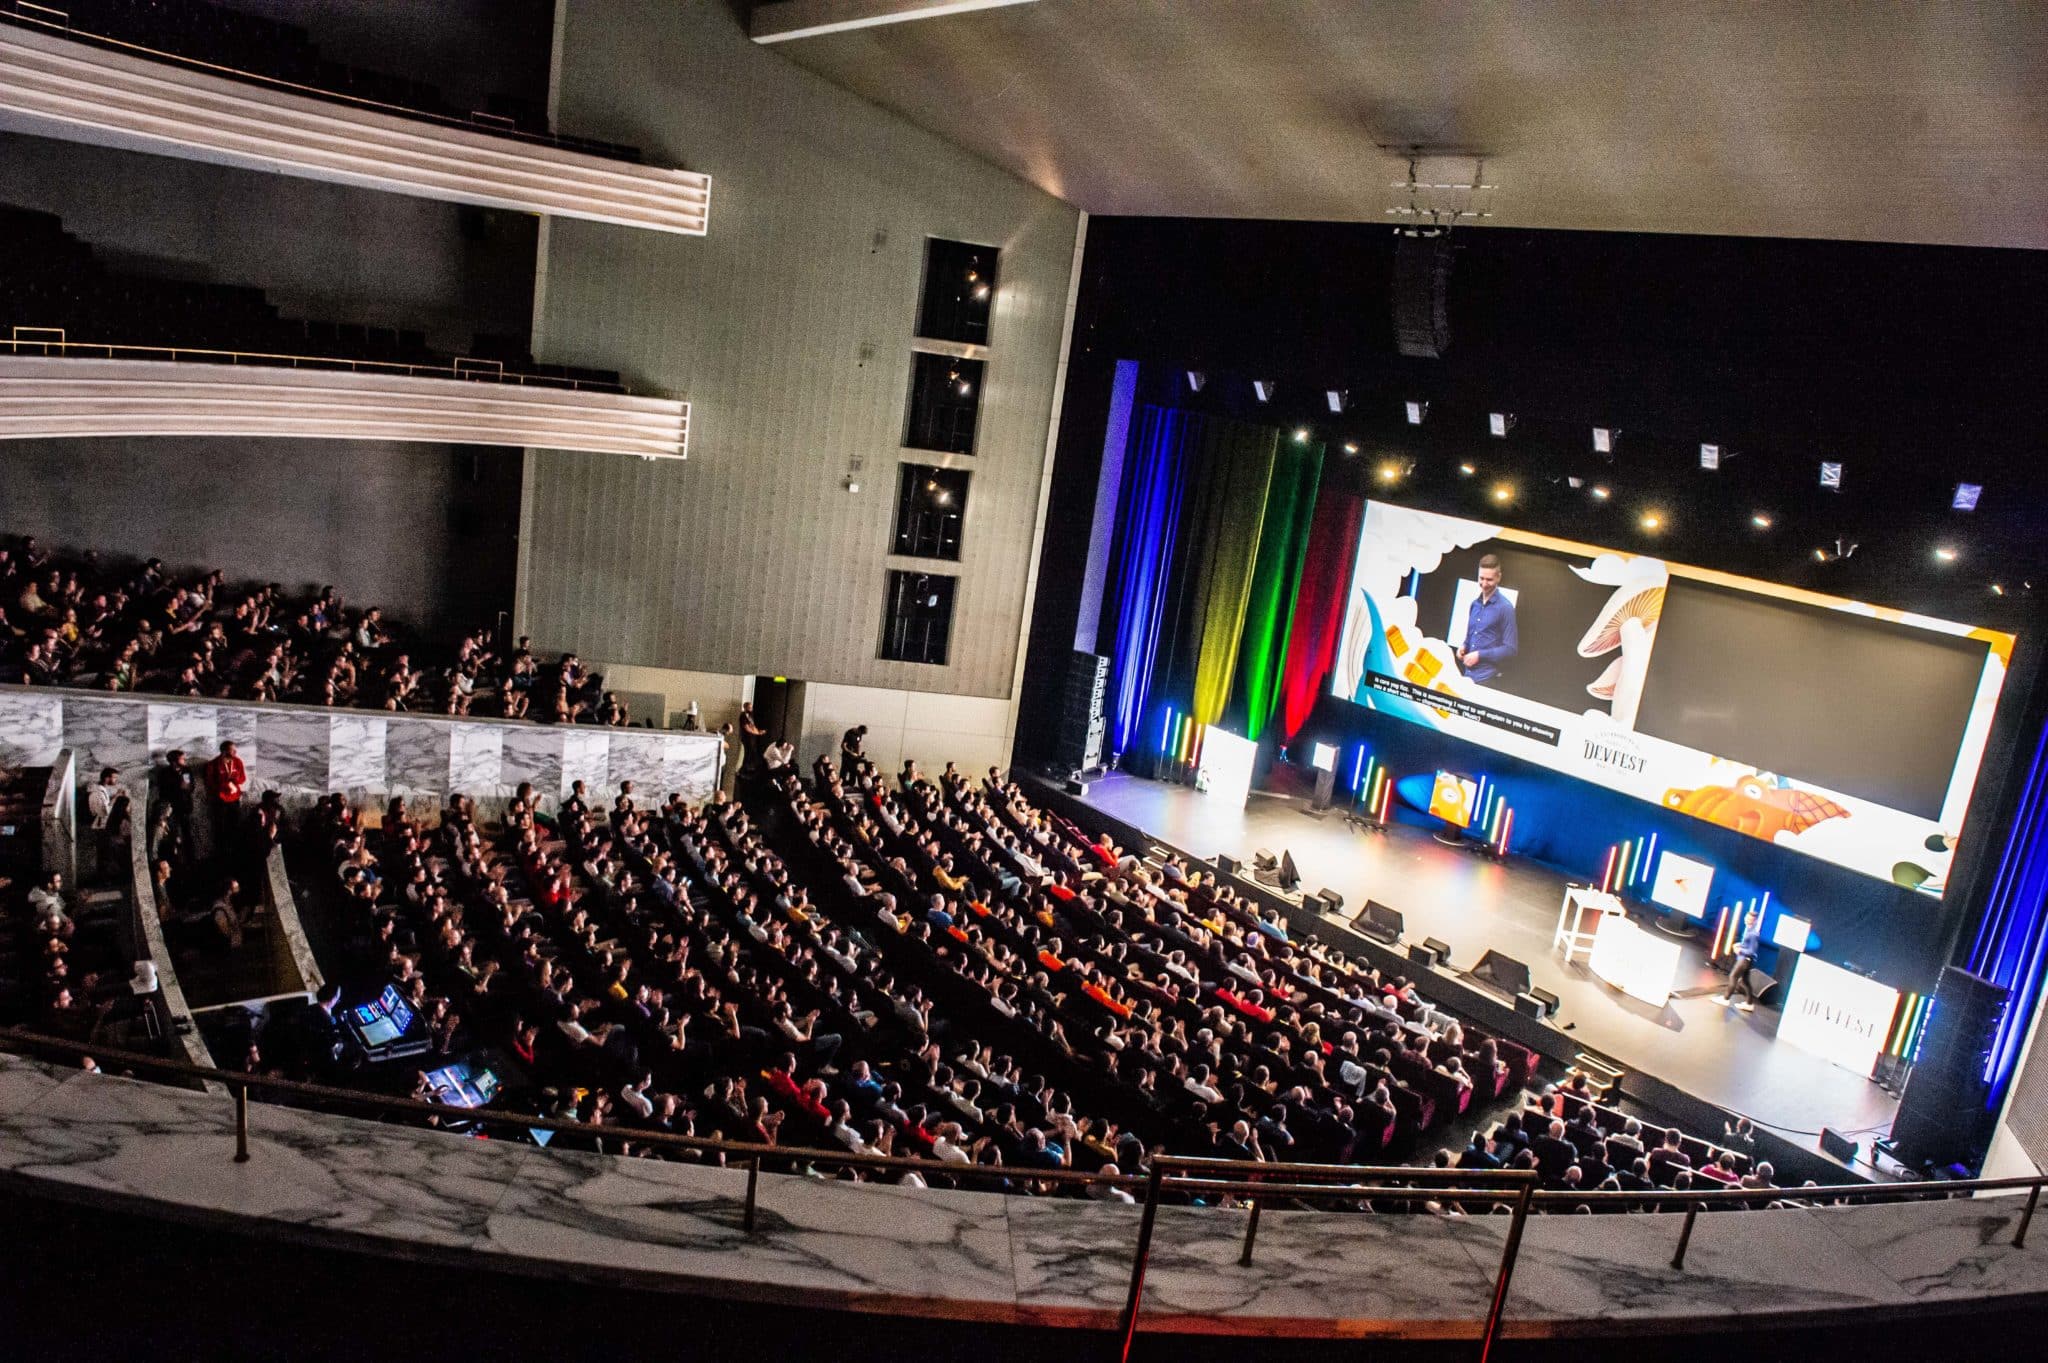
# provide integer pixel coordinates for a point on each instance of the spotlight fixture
(1467, 470)
(1263, 389)
(1390, 471)
(1604, 438)
(1831, 476)
(1196, 378)
(1416, 412)
(1351, 447)
(1601, 492)
(1500, 423)
(1652, 521)
(981, 292)
(1574, 482)
(1998, 589)
(1761, 520)
(1966, 497)
(1337, 397)
(1842, 549)
(1945, 553)
(1710, 457)
(1503, 492)
(1301, 435)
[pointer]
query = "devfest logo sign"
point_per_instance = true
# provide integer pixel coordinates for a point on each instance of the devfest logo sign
(1837, 1014)
(1610, 750)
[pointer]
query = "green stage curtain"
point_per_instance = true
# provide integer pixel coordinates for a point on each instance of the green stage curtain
(1229, 532)
(1275, 581)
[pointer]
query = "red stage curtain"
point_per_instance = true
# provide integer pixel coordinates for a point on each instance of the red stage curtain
(1319, 607)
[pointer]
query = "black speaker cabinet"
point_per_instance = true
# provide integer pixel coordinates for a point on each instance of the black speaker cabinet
(1422, 280)
(1838, 1145)
(1941, 1117)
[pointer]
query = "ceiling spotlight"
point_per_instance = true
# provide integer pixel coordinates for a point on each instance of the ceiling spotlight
(1500, 423)
(981, 291)
(1196, 378)
(1603, 439)
(1601, 492)
(1843, 549)
(1337, 398)
(963, 388)
(1998, 589)
(1652, 521)
(1467, 470)
(943, 498)
(1390, 471)
(1966, 497)
(1945, 553)
(1760, 520)
(1416, 411)
(1503, 492)
(1351, 447)
(1574, 482)
(1710, 457)
(1831, 477)
(1820, 555)
(1262, 389)
(1301, 435)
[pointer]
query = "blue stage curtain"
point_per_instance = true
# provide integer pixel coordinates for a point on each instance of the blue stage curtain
(1148, 523)
(2011, 947)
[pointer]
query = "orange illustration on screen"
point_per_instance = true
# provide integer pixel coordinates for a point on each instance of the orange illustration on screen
(1756, 807)
(1451, 799)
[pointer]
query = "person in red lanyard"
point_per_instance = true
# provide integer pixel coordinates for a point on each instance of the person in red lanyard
(226, 778)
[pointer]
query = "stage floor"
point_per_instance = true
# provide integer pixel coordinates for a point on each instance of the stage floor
(1722, 1055)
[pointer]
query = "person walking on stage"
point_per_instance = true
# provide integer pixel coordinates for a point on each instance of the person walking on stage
(1745, 957)
(1490, 638)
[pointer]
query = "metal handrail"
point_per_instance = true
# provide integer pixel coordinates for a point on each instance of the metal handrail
(276, 360)
(1176, 1173)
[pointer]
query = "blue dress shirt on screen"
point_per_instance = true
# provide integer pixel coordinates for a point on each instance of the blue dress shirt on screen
(1490, 632)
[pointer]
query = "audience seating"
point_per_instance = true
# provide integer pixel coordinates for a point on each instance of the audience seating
(250, 47)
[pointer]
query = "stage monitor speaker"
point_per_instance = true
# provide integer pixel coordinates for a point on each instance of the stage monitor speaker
(1226, 864)
(1290, 878)
(1076, 786)
(1263, 860)
(1422, 278)
(1838, 1145)
(1331, 898)
(1423, 954)
(1529, 1006)
(1442, 949)
(1548, 1000)
(1504, 973)
(1378, 921)
(1941, 1117)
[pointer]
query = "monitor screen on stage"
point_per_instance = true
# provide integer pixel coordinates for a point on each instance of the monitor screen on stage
(1224, 770)
(1791, 932)
(1682, 884)
(1452, 797)
(1746, 704)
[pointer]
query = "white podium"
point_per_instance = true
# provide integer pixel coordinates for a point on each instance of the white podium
(1573, 933)
(1641, 964)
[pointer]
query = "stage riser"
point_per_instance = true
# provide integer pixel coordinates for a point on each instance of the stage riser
(1794, 1163)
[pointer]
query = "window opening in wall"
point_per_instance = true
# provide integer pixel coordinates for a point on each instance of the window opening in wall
(945, 398)
(917, 622)
(931, 506)
(959, 291)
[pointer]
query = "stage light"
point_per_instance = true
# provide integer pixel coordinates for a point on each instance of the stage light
(1601, 492)
(1262, 389)
(1998, 589)
(1820, 555)
(1301, 435)
(1390, 472)
(1760, 521)
(1196, 378)
(981, 291)
(1338, 397)
(1503, 492)
(1467, 470)
(1831, 476)
(1351, 447)
(1574, 482)
(1966, 497)
(1945, 553)
(1710, 456)
(1416, 411)
(1500, 423)
(1603, 439)
(1652, 521)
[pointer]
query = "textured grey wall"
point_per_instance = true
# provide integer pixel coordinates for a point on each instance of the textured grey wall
(401, 525)
(750, 557)
(326, 252)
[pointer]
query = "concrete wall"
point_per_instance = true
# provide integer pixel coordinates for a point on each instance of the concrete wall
(789, 329)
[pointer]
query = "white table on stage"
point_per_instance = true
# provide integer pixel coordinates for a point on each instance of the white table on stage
(1572, 932)
(1640, 963)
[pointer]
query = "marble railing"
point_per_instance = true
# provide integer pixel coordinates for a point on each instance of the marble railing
(146, 940)
(60, 816)
(81, 92)
(304, 752)
(413, 1194)
(93, 390)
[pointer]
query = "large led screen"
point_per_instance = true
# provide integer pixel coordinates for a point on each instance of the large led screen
(1845, 731)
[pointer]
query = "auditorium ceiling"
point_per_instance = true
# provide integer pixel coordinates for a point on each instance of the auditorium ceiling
(1845, 119)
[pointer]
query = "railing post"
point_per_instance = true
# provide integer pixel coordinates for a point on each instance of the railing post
(241, 1123)
(2019, 1237)
(1692, 1214)
(1251, 1234)
(1508, 1254)
(753, 1186)
(1141, 1260)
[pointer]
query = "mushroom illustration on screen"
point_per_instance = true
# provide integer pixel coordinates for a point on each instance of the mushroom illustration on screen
(1627, 623)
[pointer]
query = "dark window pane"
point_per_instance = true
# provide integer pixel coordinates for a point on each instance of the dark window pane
(959, 289)
(931, 504)
(917, 619)
(945, 395)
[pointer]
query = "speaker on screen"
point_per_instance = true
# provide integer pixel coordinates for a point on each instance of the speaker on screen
(1422, 280)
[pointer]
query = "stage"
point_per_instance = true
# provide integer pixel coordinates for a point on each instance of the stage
(1719, 1054)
